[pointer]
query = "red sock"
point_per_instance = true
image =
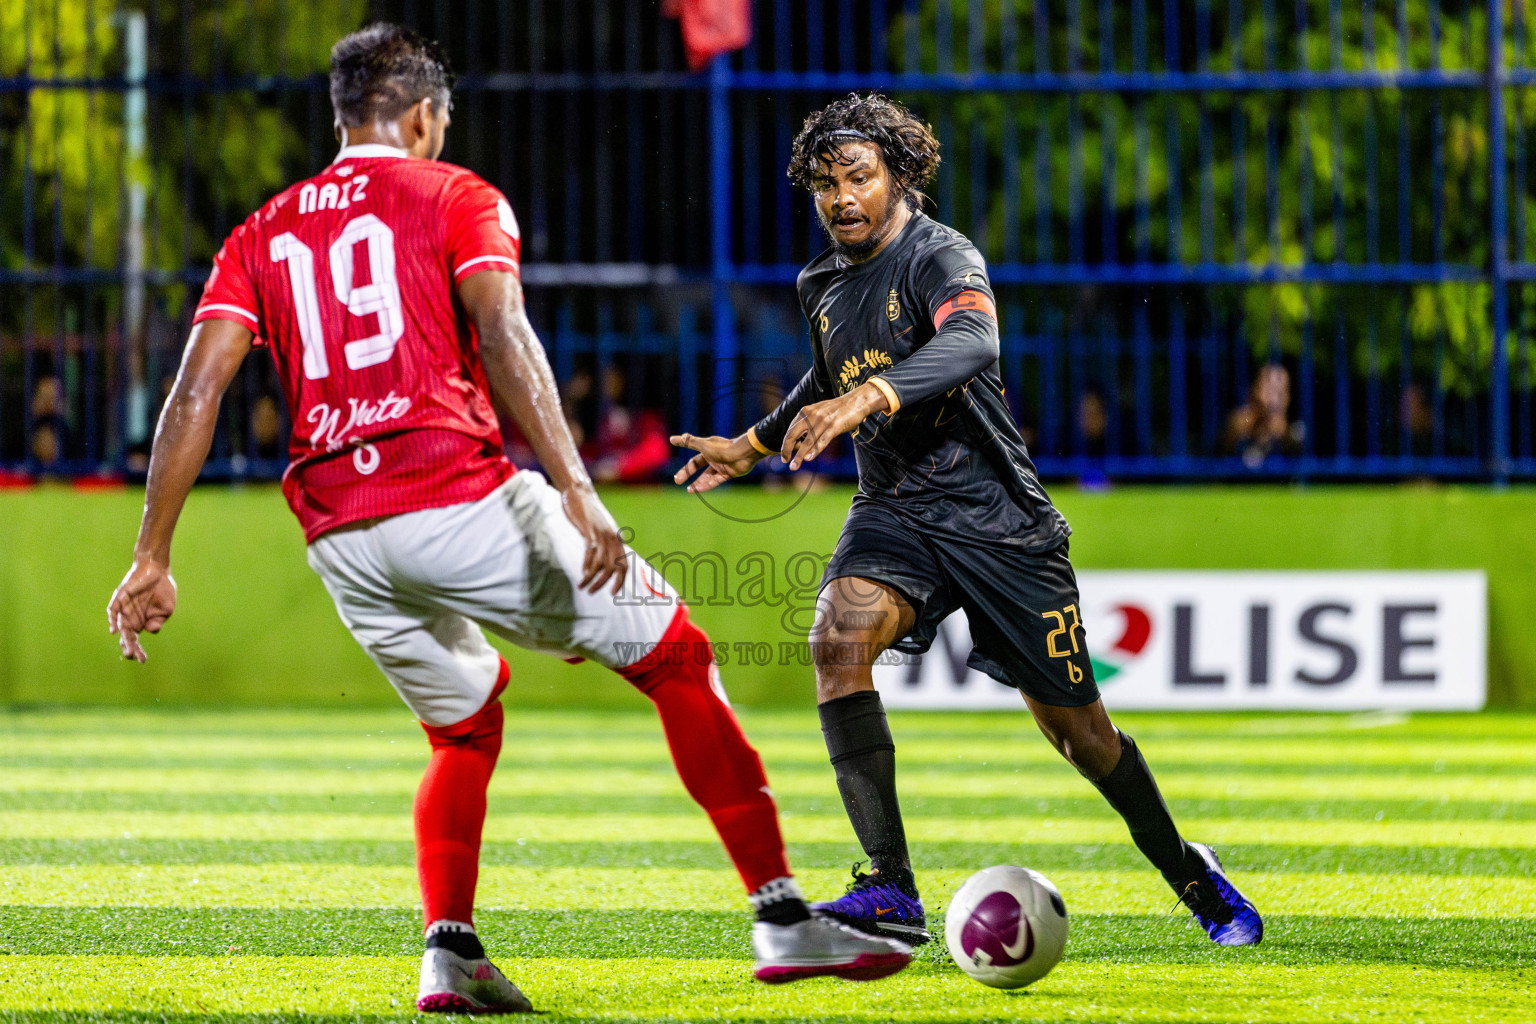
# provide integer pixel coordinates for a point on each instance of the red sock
(718, 766)
(450, 809)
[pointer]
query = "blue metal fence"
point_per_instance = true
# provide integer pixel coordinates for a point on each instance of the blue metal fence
(1175, 199)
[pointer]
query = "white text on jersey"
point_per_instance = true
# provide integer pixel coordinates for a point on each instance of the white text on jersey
(364, 413)
(332, 196)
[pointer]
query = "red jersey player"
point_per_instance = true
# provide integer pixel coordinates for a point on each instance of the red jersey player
(387, 290)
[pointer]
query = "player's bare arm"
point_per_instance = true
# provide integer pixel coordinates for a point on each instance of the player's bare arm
(522, 381)
(147, 595)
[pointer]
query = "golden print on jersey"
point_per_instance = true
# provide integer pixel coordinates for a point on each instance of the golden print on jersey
(892, 306)
(854, 368)
(1053, 640)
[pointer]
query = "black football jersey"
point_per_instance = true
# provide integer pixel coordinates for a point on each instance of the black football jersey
(951, 456)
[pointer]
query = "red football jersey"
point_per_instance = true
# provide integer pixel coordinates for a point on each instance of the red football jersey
(350, 278)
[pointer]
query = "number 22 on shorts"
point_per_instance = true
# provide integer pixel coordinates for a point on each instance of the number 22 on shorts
(1069, 630)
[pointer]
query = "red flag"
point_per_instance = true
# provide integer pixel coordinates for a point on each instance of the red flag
(711, 27)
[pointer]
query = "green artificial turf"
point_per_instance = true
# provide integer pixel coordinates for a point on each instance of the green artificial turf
(255, 865)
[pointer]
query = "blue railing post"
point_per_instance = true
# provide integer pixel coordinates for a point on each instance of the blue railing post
(1067, 236)
(721, 267)
(1498, 405)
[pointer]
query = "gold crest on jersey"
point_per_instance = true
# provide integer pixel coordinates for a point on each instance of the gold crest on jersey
(892, 306)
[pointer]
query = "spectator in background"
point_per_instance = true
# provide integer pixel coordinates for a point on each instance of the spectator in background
(1417, 417)
(138, 454)
(267, 427)
(1262, 426)
(1093, 428)
(50, 431)
(629, 445)
(1093, 423)
(516, 446)
(574, 394)
(578, 399)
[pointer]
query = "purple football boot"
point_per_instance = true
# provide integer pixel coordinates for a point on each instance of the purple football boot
(1226, 914)
(879, 908)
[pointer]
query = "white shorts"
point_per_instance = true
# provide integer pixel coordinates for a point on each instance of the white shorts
(415, 589)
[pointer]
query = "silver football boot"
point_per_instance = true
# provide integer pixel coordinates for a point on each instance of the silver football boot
(452, 984)
(821, 947)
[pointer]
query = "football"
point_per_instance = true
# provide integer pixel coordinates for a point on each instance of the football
(1006, 926)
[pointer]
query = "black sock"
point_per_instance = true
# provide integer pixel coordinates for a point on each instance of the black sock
(456, 938)
(785, 912)
(864, 757)
(780, 902)
(1131, 790)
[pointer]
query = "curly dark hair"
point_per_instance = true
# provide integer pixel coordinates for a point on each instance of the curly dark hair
(907, 144)
(382, 70)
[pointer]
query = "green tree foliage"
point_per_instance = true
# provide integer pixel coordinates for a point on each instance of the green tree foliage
(214, 154)
(70, 139)
(1257, 178)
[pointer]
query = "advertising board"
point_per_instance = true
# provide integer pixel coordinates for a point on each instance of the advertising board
(1332, 641)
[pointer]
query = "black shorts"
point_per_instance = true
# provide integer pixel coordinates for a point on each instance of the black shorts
(1026, 622)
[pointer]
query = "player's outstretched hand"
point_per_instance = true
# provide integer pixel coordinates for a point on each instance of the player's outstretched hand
(720, 459)
(815, 425)
(605, 561)
(141, 603)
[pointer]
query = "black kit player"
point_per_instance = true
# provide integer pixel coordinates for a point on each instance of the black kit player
(949, 512)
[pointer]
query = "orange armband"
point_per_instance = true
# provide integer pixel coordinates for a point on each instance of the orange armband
(966, 300)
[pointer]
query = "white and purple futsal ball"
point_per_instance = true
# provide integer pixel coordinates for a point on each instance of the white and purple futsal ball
(1006, 926)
